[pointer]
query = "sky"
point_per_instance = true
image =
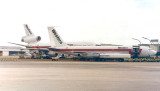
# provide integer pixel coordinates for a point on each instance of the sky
(98, 21)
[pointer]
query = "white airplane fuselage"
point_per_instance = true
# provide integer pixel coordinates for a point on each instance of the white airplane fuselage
(97, 51)
(106, 50)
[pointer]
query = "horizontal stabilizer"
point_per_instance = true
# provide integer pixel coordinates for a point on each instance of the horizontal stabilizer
(17, 44)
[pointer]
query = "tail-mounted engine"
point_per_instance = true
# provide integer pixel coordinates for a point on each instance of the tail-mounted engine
(31, 39)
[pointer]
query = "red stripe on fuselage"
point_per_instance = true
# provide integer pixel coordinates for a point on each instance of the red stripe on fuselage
(94, 49)
(38, 46)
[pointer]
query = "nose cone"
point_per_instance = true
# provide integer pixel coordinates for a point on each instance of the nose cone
(152, 52)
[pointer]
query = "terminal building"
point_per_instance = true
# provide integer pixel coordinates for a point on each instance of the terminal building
(11, 51)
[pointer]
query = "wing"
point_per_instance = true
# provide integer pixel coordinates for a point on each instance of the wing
(17, 44)
(30, 47)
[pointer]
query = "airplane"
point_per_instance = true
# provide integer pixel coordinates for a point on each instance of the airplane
(58, 46)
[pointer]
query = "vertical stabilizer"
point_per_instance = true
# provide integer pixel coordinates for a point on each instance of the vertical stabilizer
(27, 30)
(55, 39)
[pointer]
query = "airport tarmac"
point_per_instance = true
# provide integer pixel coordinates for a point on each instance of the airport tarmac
(79, 76)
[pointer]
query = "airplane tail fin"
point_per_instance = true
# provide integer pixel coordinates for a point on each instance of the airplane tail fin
(27, 30)
(55, 39)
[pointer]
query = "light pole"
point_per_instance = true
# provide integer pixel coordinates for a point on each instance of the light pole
(137, 40)
(147, 39)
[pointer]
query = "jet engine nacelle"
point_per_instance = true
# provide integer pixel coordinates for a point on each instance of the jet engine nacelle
(31, 39)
